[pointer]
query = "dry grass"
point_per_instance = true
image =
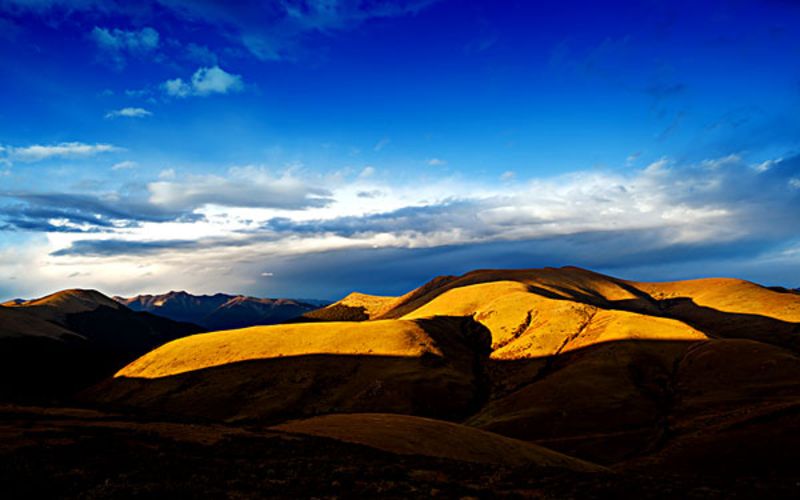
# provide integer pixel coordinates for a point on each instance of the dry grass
(378, 338)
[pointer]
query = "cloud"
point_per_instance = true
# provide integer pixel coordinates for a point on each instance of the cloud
(507, 175)
(124, 165)
(204, 82)
(81, 213)
(169, 199)
(690, 205)
(101, 248)
(243, 187)
(129, 113)
(721, 216)
(201, 54)
(436, 162)
(267, 30)
(117, 43)
(38, 152)
(367, 172)
(381, 144)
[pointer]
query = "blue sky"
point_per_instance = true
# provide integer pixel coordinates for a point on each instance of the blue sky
(313, 147)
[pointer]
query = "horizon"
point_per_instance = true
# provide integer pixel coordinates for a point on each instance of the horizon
(335, 299)
(309, 149)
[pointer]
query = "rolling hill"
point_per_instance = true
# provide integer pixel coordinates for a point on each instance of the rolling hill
(604, 369)
(219, 311)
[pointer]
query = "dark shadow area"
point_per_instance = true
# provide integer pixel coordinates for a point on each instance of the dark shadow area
(80, 456)
(38, 369)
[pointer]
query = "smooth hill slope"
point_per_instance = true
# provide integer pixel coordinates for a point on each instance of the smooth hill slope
(425, 367)
(219, 311)
(407, 435)
(52, 346)
(590, 365)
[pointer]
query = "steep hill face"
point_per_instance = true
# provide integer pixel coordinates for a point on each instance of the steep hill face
(590, 365)
(52, 346)
(219, 311)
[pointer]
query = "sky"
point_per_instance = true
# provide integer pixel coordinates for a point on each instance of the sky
(309, 148)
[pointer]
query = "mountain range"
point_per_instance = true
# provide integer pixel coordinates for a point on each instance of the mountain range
(220, 311)
(562, 379)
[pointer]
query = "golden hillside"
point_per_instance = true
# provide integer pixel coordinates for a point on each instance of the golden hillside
(379, 338)
(587, 364)
(424, 367)
(354, 307)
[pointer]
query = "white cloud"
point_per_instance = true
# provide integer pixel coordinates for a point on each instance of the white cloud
(766, 165)
(167, 174)
(242, 187)
(435, 162)
(631, 159)
(368, 171)
(124, 165)
(117, 43)
(38, 152)
(129, 113)
(507, 175)
(381, 144)
(177, 88)
(250, 216)
(205, 81)
(116, 39)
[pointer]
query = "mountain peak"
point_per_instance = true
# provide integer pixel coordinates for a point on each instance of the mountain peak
(73, 300)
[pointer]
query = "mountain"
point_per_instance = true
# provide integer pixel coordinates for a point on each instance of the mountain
(616, 372)
(54, 345)
(219, 311)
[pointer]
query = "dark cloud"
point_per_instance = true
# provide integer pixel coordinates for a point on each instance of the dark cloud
(628, 254)
(424, 219)
(29, 211)
(114, 247)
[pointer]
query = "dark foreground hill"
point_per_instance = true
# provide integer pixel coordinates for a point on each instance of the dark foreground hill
(55, 345)
(219, 311)
(70, 453)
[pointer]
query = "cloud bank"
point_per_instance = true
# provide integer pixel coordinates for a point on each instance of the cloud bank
(307, 227)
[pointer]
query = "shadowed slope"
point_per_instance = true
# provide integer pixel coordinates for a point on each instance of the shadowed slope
(268, 373)
(407, 435)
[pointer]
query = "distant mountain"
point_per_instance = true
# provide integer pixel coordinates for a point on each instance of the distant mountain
(52, 346)
(219, 311)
